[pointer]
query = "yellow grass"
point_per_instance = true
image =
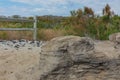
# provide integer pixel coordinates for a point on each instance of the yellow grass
(47, 34)
(9, 35)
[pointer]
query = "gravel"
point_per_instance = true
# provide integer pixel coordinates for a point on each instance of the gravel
(22, 43)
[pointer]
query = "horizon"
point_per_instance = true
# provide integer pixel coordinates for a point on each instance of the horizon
(53, 7)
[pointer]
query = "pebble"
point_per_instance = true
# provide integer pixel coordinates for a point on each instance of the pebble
(20, 43)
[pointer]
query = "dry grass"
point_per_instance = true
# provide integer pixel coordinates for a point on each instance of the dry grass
(47, 34)
(42, 33)
(9, 35)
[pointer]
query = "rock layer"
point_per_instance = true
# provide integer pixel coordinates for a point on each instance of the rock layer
(62, 58)
(79, 58)
(116, 39)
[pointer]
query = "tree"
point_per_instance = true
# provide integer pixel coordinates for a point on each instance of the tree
(88, 11)
(107, 11)
(79, 12)
(73, 13)
(16, 16)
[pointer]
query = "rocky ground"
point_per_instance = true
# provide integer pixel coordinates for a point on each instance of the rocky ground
(80, 58)
(62, 58)
(19, 60)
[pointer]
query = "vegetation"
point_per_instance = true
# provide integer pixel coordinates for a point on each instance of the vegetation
(82, 22)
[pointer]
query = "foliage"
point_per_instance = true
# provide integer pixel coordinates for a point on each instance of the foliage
(82, 22)
(86, 23)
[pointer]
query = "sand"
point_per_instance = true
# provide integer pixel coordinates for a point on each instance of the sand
(19, 64)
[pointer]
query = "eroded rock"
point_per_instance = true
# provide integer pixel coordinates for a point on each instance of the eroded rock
(116, 39)
(62, 58)
(79, 58)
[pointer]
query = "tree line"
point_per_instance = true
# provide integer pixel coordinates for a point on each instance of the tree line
(86, 23)
(81, 22)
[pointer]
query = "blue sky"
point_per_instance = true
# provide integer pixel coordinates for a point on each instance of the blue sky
(53, 7)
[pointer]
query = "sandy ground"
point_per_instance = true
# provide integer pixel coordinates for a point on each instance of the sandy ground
(21, 64)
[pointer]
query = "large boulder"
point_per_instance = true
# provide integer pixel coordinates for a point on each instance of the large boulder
(79, 58)
(115, 37)
(62, 58)
(62, 52)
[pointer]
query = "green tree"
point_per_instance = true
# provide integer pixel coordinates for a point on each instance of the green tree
(88, 12)
(107, 11)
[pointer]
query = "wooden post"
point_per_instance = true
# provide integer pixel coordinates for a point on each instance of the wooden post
(35, 28)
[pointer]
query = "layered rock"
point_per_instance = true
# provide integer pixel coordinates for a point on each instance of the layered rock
(116, 39)
(79, 58)
(62, 58)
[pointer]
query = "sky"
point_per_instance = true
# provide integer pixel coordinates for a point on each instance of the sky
(53, 7)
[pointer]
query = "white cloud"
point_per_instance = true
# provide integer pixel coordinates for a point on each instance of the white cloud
(62, 7)
(49, 11)
(46, 6)
(1, 10)
(42, 2)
